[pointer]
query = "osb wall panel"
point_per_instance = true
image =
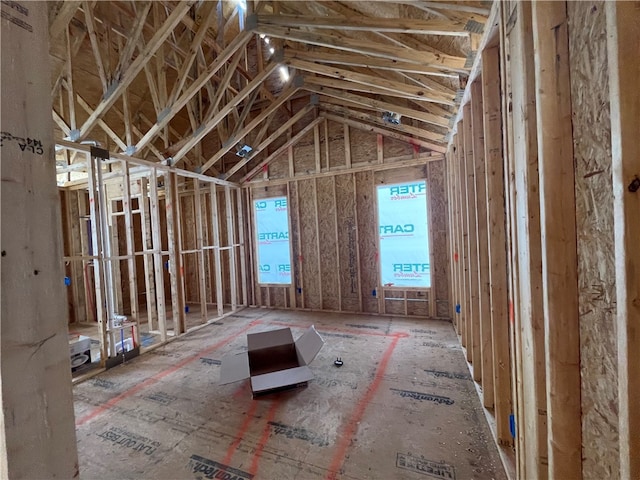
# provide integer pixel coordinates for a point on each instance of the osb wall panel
(347, 245)
(364, 146)
(279, 166)
(366, 224)
(336, 144)
(309, 245)
(594, 222)
(437, 212)
(304, 155)
(327, 233)
(395, 148)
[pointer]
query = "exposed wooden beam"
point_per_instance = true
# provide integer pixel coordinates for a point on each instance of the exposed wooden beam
(224, 111)
(377, 120)
(376, 82)
(267, 141)
(444, 62)
(166, 115)
(623, 34)
(358, 60)
(62, 19)
(132, 40)
(194, 48)
(398, 25)
(236, 136)
(95, 46)
(380, 105)
(136, 66)
(295, 139)
(386, 132)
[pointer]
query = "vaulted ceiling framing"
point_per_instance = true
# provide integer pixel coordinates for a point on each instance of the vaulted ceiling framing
(188, 82)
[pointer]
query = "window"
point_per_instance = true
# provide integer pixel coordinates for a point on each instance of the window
(404, 235)
(272, 238)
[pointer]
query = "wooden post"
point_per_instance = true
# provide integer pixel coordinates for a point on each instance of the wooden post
(231, 241)
(484, 313)
(623, 32)
(175, 257)
(558, 231)
(496, 242)
(157, 255)
(131, 261)
(147, 255)
(201, 253)
(215, 223)
(37, 433)
(529, 257)
(462, 239)
(242, 225)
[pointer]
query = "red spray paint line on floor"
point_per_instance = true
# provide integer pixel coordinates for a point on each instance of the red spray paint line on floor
(358, 413)
(248, 420)
(158, 376)
(264, 438)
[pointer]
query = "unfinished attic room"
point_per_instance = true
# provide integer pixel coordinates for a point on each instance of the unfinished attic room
(338, 240)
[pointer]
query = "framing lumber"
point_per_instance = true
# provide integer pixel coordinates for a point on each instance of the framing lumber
(136, 66)
(238, 135)
(387, 133)
(339, 42)
(558, 231)
(484, 313)
(166, 115)
(623, 19)
(398, 25)
(380, 105)
(357, 60)
(62, 19)
(281, 150)
(496, 243)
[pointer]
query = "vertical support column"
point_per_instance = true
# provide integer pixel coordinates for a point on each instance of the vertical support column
(157, 255)
(147, 255)
(175, 256)
(558, 231)
(529, 257)
(215, 223)
(484, 312)
(131, 261)
(496, 242)
(37, 433)
(473, 321)
(623, 29)
(98, 258)
(241, 240)
(231, 241)
(462, 239)
(200, 255)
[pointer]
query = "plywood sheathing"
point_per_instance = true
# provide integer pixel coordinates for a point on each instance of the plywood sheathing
(594, 218)
(162, 414)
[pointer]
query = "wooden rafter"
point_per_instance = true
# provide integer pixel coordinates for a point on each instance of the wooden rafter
(193, 89)
(271, 138)
(295, 139)
(377, 120)
(136, 66)
(385, 131)
(204, 129)
(398, 25)
(339, 42)
(378, 83)
(380, 105)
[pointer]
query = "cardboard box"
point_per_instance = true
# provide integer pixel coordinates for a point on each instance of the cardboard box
(273, 361)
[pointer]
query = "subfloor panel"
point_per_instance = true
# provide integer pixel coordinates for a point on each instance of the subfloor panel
(402, 406)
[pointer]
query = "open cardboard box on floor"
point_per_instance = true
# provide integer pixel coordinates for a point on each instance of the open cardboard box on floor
(273, 360)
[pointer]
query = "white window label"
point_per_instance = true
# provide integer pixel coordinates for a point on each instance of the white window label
(272, 232)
